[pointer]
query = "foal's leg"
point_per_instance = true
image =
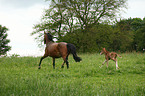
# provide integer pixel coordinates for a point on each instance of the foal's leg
(115, 63)
(107, 64)
(104, 62)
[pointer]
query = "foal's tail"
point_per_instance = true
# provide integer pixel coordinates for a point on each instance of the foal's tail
(71, 49)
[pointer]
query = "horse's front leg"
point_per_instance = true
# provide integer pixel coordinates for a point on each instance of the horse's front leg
(41, 61)
(53, 63)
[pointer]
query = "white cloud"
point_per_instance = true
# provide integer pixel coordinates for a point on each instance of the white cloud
(20, 24)
(20, 3)
(136, 8)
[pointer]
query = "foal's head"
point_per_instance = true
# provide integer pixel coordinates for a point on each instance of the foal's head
(47, 37)
(103, 51)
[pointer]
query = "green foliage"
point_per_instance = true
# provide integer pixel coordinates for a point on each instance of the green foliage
(66, 16)
(91, 39)
(4, 41)
(140, 38)
(20, 76)
(136, 27)
(122, 39)
(98, 36)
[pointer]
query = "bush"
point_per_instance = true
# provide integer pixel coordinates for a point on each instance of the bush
(98, 36)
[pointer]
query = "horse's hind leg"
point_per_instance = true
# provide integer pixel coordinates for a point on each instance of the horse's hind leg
(67, 64)
(65, 61)
(62, 66)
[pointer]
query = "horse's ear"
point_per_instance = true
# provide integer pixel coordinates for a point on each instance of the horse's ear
(44, 32)
(44, 41)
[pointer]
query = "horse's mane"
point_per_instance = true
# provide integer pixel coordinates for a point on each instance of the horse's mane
(50, 37)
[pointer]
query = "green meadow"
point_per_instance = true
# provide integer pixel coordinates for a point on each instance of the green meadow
(20, 76)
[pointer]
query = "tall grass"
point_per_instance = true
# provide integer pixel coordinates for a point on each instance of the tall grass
(20, 76)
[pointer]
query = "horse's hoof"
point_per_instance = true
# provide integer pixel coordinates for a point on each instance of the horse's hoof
(39, 67)
(62, 66)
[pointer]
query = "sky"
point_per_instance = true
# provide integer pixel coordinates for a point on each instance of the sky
(19, 16)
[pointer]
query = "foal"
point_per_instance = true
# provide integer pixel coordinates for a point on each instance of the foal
(110, 55)
(57, 50)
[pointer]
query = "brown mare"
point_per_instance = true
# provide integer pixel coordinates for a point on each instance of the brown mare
(110, 55)
(57, 50)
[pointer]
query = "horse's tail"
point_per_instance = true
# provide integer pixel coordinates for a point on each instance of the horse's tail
(71, 49)
(119, 55)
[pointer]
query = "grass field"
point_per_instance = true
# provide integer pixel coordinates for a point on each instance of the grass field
(19, 76)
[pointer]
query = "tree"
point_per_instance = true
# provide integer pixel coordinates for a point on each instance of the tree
(139, 35)
(65, 16)
(98, 36)
(134, 29)
(123, 35)
(3, 40)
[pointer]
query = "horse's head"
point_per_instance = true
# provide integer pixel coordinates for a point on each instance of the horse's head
(47, 37)
(103, 51)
